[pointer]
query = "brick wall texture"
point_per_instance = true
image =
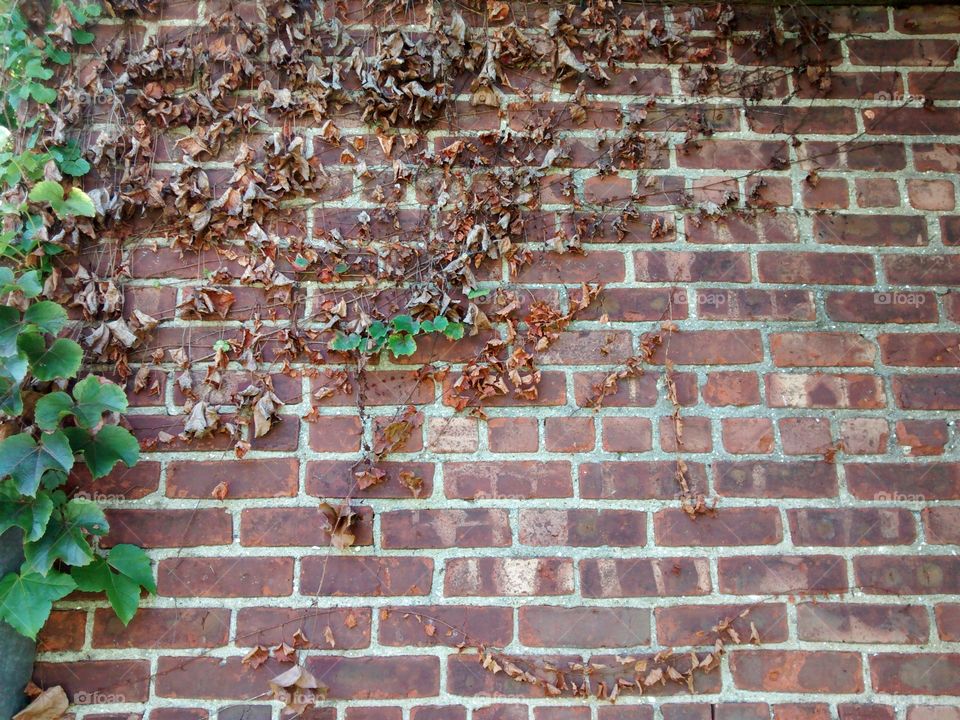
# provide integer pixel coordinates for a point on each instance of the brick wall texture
(815, 364)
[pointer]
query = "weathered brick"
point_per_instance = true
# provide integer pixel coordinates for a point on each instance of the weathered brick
(473, 527)
(916, 674)
(586, 627)
(270, 626)
(387, 576)
(851, 527)
(734, 526)
(796, 671)
(765, 479)
(513, 576)
(862, 623)
(762, 575)
(427, 625)
(583, 527)
(693, 625)
(662, 577)
(225, 577)
(913, 575)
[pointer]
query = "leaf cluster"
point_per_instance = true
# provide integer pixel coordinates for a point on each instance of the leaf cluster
(398, 335)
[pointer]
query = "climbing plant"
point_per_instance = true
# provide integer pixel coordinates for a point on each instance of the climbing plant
(49, 420)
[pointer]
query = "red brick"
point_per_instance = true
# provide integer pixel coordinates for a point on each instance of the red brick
(635, 305)
(693, 625)
(864, 436)
(513, 576)
(569, 434)
(916, 575)
(765, 575)
(472, 527)
(163, 628)
(452, 435)
(920, 349)
(225, 577)
(852, 527)
(733, 155)
(747, 435)
(924, 270)
(731, 387)
(169, 527)
(627, 434)
(948, 621)
(584, 627)
(805, 435)
(599, 266)
(827, 193)
(298, 527)
(850, 711)
(518, 435)
(438, 712)
(337, 479)
(244, 478)
(862, 623)
(821, 349)
(734, 230)
(603, 189)
(922, 53)
(379, 576)
(129, 679)
(694, 436)
(933, 712)
(900, 482)
(916, 674)
(64, 630)
(643, 577)
(931, 195)
(270, 626)
(766, 479)
(451, 625)
(802, 120)
(677, 266)
(755, 304)
(877, 192)
(927, 392)
(712, 347)
(637, 480)
(941, 524)
(882, 307)
(815, 268)
(795, 671)
(848, 390)
(505, 480)
(583, 527)
(731, 526)
(336, 433)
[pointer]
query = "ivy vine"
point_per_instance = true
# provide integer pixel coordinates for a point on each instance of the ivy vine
(49, 420)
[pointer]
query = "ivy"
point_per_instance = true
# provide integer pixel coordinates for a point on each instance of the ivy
(398, 336)
(59, 425)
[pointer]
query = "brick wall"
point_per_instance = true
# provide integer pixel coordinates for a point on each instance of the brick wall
(814, 362)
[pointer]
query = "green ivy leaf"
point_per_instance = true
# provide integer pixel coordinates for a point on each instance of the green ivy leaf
(121, 575)
(11, 402)
(61, 360)
(377, 330)
(48, 191)
(46, 315)
(454, 331)
(29, 514)
(133, 562)
(401, 344)
(25, 460)
(405, 324)
(42, 94)
(9, 329)
(30, 284)
(26, 600)
(345, 343)
(77, 203)
(103, 450)
(440, 324)
(66, 537)
(427, 326)
(94, 398)
(51, 409)
(35, 69)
